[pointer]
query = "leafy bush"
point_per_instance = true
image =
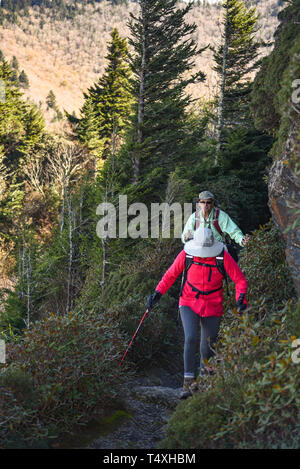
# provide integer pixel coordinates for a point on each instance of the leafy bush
(70, 366)
(266, 269)
(18, 416)
(271, 413)
(253, 399)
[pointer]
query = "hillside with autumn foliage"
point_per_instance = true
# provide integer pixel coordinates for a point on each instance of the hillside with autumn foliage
(66, 53)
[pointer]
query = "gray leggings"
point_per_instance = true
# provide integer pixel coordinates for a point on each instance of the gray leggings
(209, 331)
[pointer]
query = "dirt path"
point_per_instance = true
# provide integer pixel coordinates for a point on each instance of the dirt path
(150, 402)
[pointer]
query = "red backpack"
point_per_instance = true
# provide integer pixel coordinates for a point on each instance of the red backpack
(216, 223)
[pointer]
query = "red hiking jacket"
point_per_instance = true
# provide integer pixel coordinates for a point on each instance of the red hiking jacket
(204, 279)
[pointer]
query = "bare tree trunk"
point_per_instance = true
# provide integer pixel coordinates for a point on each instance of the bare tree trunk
(64, 166)
(20, 266)
(80, 207)
(103, 262)
(21, 269)
(28, 278)
(222, 92)
(136, 161)
(70, 213)
(62, 221)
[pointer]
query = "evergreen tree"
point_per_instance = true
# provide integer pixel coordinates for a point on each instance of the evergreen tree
(14, 71)
(87, 129)
(34, 127)
(107, 107)
(23, 79)
(51, 100)
(162, 65)
(12, 110)
(21, 124)
(21, 132)
(15, 63)
(234, 60)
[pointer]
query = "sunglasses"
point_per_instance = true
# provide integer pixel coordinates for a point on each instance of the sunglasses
(206, 203)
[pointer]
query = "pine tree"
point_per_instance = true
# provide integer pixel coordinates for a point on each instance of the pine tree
(87, 129)
(235, 59)
(162, 65)
(23, 79)
(21, 124)
(12, 110)
(51, 100)
(108, 102)
(15, 63)
(34, 127)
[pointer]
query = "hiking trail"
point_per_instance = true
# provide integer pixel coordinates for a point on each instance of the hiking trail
(150, 402)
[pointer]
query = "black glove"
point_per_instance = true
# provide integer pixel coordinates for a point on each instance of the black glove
(241, 306)
(153, 299)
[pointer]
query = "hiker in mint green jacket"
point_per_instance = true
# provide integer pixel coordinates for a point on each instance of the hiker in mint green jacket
(209, 216)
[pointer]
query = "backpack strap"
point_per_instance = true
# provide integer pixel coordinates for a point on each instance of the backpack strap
(216, 222)
(188, 262)
(207, 265)
(197, 219)
(221, 269)
(199, 292)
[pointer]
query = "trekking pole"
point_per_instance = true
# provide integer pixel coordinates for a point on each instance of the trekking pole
(134, 335)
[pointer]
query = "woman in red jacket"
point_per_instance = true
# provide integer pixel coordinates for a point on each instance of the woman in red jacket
(201, 300)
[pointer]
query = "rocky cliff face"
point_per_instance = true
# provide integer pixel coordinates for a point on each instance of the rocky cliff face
(284, 198)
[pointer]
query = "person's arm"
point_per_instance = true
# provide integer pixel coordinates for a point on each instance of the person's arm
(189, 227)
(168, 279)
(238, 278)
(171, 274)
(228, 226)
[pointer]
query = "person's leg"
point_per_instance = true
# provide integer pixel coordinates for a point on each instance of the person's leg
(190, 322)
(209, 330)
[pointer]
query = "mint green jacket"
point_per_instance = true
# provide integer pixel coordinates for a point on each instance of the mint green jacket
(226, 224)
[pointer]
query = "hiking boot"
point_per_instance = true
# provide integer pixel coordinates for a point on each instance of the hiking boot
(190, 387)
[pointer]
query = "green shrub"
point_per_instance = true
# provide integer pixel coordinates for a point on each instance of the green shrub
(18, 403)
(271, 413)
(196, 421)
(266, 269)
(70, 365)
(253, 399)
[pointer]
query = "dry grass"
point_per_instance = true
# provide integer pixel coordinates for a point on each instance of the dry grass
(68, 57)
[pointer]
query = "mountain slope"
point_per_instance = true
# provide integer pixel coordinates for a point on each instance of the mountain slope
(68, 56)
